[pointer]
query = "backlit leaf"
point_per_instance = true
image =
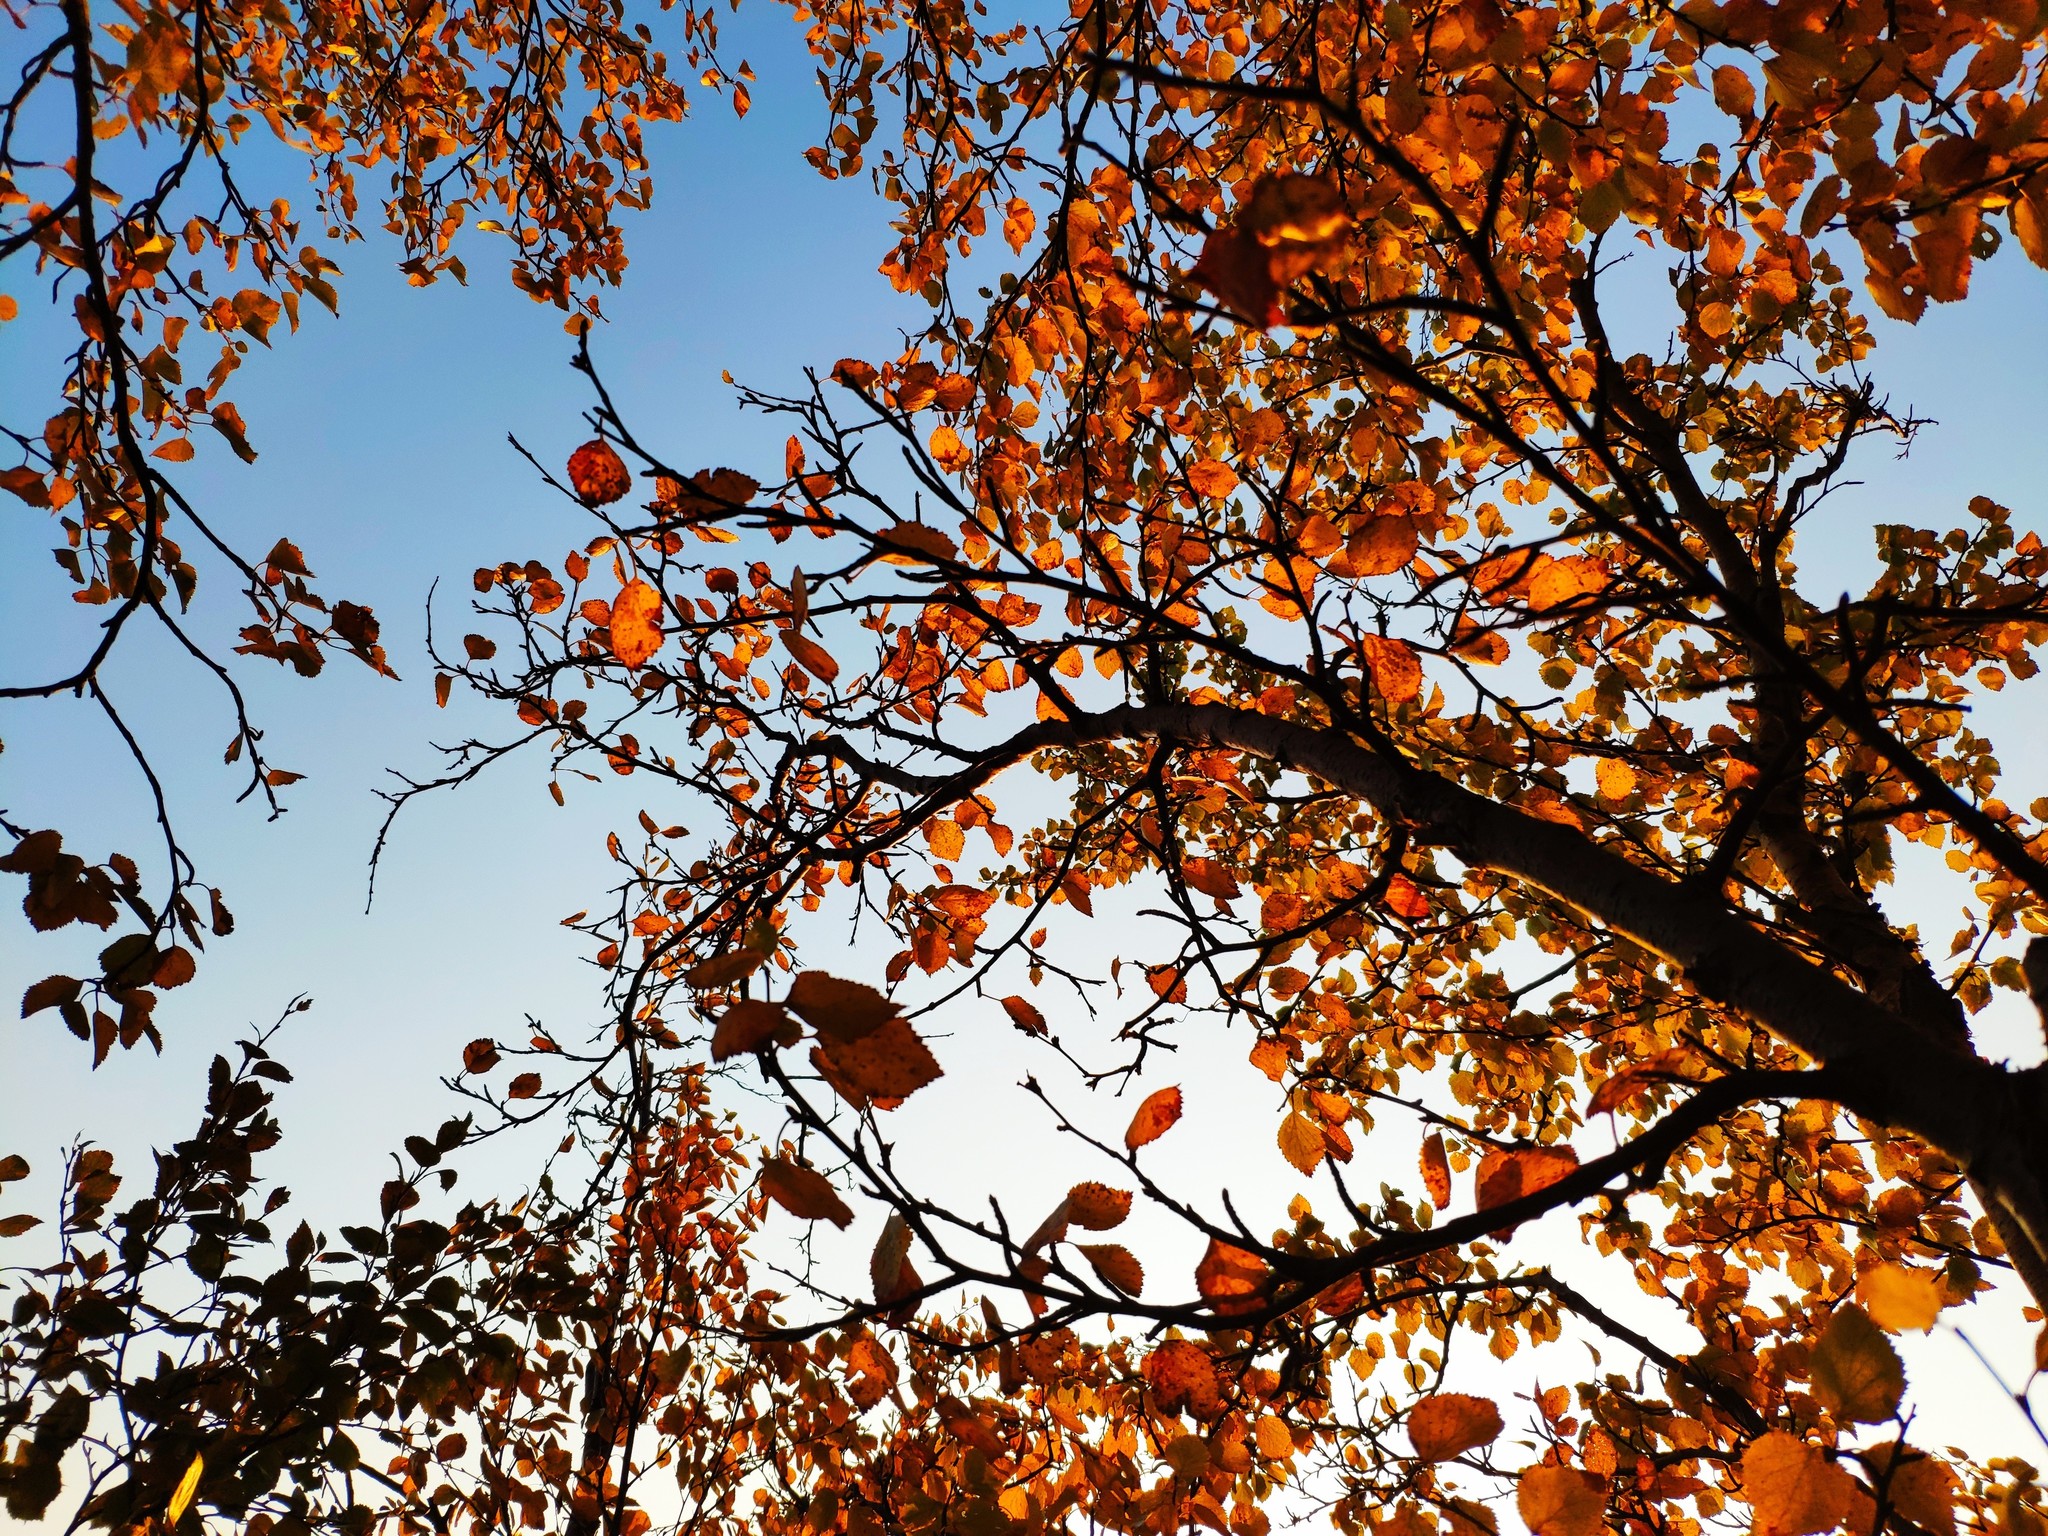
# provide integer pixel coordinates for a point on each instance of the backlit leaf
(1452, 1423)
(1155, 1117)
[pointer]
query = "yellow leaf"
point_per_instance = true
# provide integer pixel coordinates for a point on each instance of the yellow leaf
(1617, 779)
(1562, 1501)
(181, 1496)
(1301, 1142)
(1856, 1372)
(1899, 1299)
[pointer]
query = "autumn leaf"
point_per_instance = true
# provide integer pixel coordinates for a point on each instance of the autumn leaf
(839, 1010)
(1857, 1374)
(1561, 1501)
(1301, 1142)
(1212, 478)
(1025, 1015)
(1916, 1485)
(1451, 1423)
(885, 1065)
(1182, 1376)
(1793, 1489)
(894, 1277)
(1395, 669)
(870, 1371)
(811, 656)
(1155, 1117)
(597, 474)
(182, 1495)
(1116, 1266)
(636, 623)
(1436, 1170)
(724, 969)
(749, 1025)
(1509, 1173)
(1231, 1280)
(1098, 1207)
(524, 1086)
(480, 1056)
(1898, 1299)
(804, 1192)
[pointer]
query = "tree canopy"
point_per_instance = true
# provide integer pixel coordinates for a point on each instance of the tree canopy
(1343, 507)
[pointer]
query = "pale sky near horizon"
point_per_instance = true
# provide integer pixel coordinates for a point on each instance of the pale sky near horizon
(383, 449)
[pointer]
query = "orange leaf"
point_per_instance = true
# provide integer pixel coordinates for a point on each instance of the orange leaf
(919, 538)
(1301, 1143)
(636, 623)
(804, 1192)
(1793, 1489)
(1396, 669)
(1899, 1299)
(1231, 1280)
(1212, 478)
(888, 1063)
(1436, 1170)
(870, 1370)
(597, 474)
(1155, 1117)
(1508, 1173)
(524, 1086)
(1562, 1501)
(889, 1267)
(479, 1055)
(839, 1010)
(723, 970)
(1098, 1207)
(811, 656)
(748, 1026)
(1117, 1266)
(1025, 1015)
(1182, 1375)
(1452, 1423)
(1405, 898)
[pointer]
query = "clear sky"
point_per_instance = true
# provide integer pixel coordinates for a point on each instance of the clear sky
(383, 451)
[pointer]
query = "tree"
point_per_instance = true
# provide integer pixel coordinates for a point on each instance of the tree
(1288, 514)
(123, 152)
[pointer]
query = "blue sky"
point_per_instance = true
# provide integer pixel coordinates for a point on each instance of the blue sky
(384, 456)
